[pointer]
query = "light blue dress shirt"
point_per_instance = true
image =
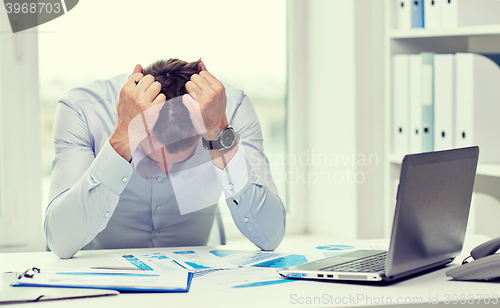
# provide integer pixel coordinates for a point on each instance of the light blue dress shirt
(98, 200)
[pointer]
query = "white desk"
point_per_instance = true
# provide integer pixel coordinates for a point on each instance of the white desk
(289, 294)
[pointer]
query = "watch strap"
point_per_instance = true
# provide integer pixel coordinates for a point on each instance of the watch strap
(216, 144)
(211, 144)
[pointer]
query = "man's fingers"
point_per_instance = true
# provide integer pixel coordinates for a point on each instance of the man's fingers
(210, 78)
(192, 87)
(133, 80)
(201, 82)
(201, 66)
(145, 83)
(161, 98)
(152, 92)
(137, 69)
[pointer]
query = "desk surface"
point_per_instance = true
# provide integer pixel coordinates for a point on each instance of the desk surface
(290, 294)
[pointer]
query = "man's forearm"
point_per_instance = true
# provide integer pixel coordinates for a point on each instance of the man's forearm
(222, 158)
(119, 141)
(255, 206)
(75, 216)
(260, 215)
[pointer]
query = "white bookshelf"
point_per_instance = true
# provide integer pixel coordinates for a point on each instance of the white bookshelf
(480, 39)
(492, 170)
(450, 32)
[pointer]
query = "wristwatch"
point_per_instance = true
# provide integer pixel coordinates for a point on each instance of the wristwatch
(225, 140)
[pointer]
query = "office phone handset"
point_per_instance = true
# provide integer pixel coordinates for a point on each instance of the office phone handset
(486, 264)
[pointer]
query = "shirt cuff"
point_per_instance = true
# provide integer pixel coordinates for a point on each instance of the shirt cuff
(235, 177)
(110, 169)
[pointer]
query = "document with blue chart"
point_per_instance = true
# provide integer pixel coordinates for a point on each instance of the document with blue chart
(315, 252)
(259, 258)
(169, 260)
(242, 279)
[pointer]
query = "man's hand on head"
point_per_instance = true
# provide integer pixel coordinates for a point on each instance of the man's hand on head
(138, 107)
(207, 96)
(206, 103)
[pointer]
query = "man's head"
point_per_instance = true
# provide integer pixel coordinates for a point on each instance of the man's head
(174, 129)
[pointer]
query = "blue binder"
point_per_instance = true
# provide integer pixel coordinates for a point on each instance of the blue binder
(417, 13)
(427, 101)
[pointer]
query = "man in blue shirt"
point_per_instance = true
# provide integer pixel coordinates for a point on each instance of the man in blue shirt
(115, 184)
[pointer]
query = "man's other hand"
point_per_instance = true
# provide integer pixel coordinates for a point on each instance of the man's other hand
(138, 107)
(208, 95)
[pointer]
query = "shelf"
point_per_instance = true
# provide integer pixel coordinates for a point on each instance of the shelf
(461, 31)
(482, 169)
(489, 170)
(396, 159)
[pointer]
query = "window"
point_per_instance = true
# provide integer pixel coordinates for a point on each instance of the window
(20, 222)
(241, 42)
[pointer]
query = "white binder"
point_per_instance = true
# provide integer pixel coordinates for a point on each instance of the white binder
(478, 105)
(415, 103)
(400, 103)
(427, 101)
(444, 102)
(433, 13)
(459, 13)
(404, 14)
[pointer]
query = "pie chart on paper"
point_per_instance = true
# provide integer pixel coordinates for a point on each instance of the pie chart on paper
(334, 250)
(335, 247)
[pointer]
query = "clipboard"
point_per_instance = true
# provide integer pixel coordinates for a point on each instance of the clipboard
(9, 295)
(119, 280)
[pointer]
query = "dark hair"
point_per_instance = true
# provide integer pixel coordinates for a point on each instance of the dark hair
(174, 128)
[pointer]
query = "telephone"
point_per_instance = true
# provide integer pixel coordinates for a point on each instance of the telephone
(486, 264)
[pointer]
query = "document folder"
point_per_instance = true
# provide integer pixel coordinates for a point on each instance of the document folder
(10, 295)
(478, 103)
(432, 13)
(415, 104)
(427, 101)
(417, 14)
(404, 14)
(120, 280)
(400, 103)
(444, 102)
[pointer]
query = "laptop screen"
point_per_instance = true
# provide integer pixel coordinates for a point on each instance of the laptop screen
(432, 208)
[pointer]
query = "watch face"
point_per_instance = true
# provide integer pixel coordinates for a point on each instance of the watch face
(227, 138)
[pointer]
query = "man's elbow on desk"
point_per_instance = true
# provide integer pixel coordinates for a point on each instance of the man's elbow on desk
(271, 243)
(60, 249)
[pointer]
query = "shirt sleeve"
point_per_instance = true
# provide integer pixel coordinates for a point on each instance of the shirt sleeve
(250, 192)
(84, 188)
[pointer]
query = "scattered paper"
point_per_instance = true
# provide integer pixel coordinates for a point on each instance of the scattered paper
(181, 259)
(244, 278)
(317, 252)
(259, 258)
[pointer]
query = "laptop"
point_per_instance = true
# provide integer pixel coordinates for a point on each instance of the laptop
(430, 219)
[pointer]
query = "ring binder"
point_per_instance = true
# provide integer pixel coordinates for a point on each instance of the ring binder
(120, 280)
(29, 273)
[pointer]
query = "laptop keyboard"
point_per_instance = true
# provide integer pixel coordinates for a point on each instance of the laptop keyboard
(373, 264)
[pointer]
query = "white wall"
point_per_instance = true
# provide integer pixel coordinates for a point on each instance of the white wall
(332, 117)
(20, 225)
(343, 107)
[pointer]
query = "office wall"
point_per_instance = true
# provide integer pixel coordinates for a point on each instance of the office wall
(369, 32)
(343, 107)
(331, 118)
(20, 225)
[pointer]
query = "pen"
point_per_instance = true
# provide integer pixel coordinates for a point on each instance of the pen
(117, 268)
